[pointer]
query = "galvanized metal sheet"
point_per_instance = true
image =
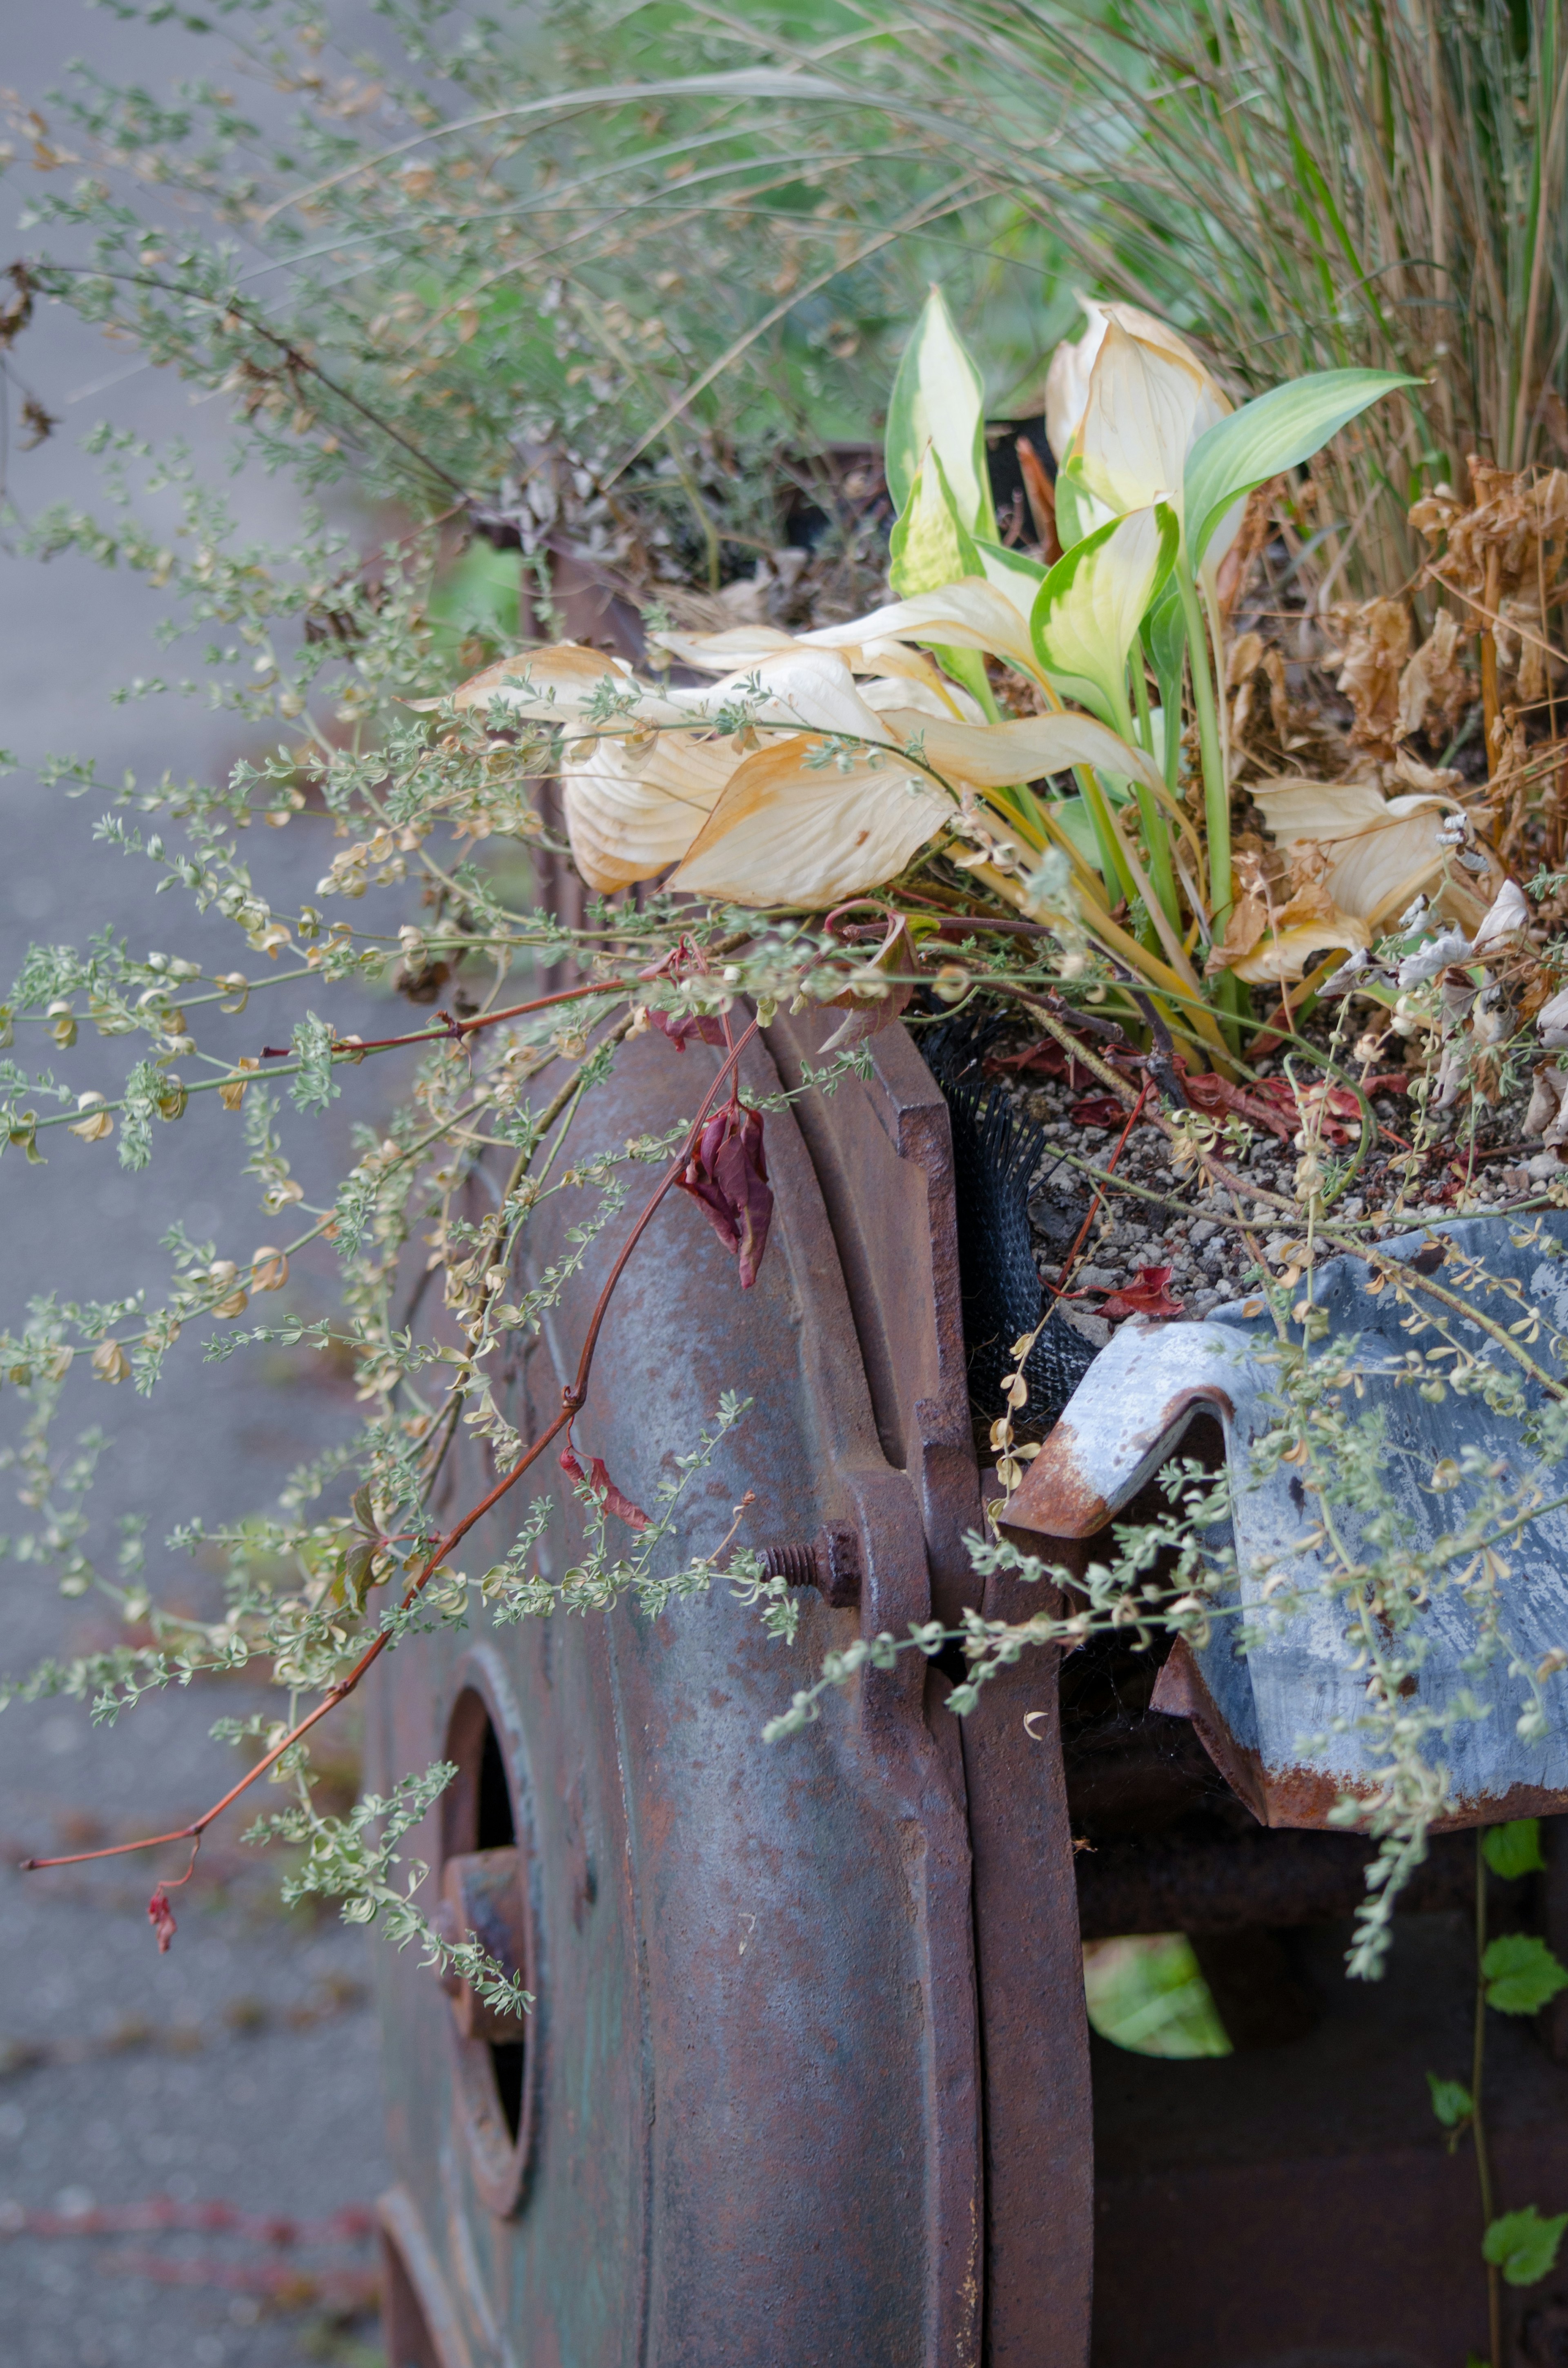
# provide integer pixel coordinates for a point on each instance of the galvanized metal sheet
(1305, 1680)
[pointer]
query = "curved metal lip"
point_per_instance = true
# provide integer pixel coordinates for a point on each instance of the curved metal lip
(503, 2165)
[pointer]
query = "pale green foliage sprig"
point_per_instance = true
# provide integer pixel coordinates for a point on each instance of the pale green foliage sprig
(355, 1861)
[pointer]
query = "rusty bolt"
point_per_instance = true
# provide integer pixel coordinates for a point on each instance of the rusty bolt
(829, 1562)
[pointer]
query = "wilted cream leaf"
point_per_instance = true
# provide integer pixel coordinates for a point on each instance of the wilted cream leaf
(995, 755)
(796, 826)
(1383, 852)
(973, 615)
(1146, 409)
(548, 685)
(630, 816)
(1072, 366)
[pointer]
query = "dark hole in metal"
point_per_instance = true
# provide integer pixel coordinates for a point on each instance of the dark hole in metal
(507, 2063)
(496, 1828)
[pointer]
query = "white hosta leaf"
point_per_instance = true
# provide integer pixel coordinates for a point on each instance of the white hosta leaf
(632, 813)
(1072, 367)
(1273, 432)
(971, 615)
(744, 648)
(555, 685)
(1090, 605)
(791, 829)
(739, 645)
(930, 543)
(1145, 411)
(938, 401)
(811, 690)
(946, 700)
(996, 756)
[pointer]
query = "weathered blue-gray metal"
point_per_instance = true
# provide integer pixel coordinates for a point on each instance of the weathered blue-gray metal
(1305, 1676)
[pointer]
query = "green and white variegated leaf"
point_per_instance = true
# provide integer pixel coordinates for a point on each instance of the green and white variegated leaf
(1013, 573)
(1273, 432)
(931, 545)
(1078, 512)
(1088, 610)
(938, 401)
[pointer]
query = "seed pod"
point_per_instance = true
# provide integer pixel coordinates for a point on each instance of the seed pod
(95, 1122)
(232, 1095)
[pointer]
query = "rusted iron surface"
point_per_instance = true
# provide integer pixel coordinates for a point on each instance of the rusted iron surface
(1257, 1712)
(481, 1899)
(760, 2081)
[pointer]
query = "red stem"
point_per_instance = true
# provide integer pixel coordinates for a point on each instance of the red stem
(460, 1028)
(571, 1398)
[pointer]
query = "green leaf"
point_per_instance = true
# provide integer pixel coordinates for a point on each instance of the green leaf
(1273, 432)
(938, 401)
(1513, 1849)
(1524, 2245)
(931, 546)
(1521, 1973)
(1451, 2101)
(1147, 1994)
(1088, 610)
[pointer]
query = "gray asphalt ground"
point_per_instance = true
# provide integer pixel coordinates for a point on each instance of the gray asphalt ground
(241, 2066)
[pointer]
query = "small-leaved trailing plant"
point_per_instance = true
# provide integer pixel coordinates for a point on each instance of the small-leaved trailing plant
(1014, 781)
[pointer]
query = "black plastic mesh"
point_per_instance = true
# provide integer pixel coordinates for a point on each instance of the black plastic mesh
(994, 1154)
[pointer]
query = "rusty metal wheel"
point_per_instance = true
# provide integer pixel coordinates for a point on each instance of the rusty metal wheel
(806, 2078)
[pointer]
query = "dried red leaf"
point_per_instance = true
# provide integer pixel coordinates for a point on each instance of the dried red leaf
(1099, 1109)
(1216, 1097)
(1146, 1295)
(598, 1482)
(161, 1916)
(1042, 1060)
(680, 1027)
(611, 1497)
(727, 1176)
